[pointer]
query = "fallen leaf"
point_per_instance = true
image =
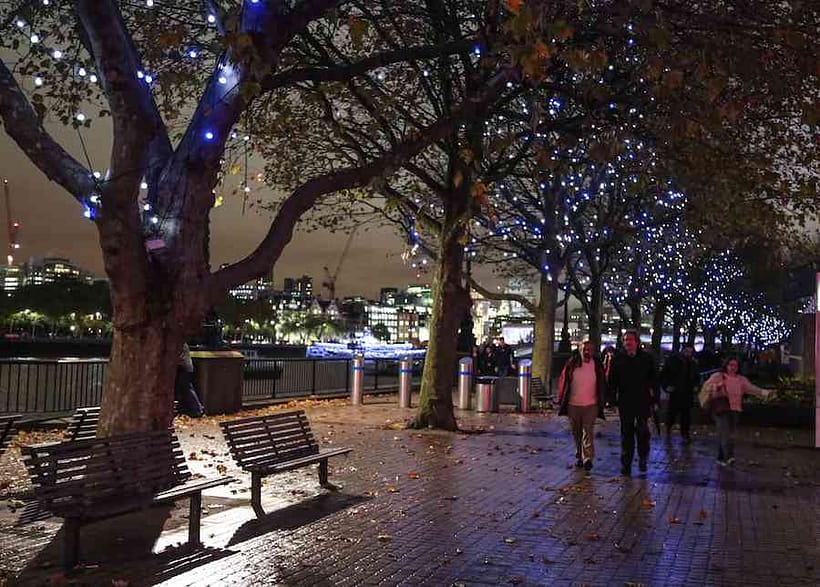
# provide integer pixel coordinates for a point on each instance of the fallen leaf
(703, 514)
(391, 489)
(647, 503)
(509, 541)
(592, 536)
(385, 537)
(413, 475)
(674, 520)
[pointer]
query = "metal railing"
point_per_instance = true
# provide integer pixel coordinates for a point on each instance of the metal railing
(52, 386)
(45, 386)
(274, 379)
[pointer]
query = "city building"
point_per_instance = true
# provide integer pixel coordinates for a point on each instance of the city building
(13, 277)
(51, 269)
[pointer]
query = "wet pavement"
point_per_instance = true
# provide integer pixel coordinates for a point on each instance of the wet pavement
(498, 504)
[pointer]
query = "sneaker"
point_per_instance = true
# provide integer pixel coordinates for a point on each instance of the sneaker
(579, 463)
(588, 465)
(626, 471)
(721, 462)
(730, 461)
(642, 465)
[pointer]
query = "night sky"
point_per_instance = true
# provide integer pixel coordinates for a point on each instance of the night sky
(52, 224)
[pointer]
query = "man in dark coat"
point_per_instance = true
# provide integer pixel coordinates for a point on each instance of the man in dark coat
(633, 387)
(681, 376)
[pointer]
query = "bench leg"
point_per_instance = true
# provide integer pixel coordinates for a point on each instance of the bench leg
(71, 543)
(256, 494)
(194, 519)
(323, 476)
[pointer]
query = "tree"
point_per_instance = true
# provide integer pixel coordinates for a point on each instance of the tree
(148, 62)
(381, 332)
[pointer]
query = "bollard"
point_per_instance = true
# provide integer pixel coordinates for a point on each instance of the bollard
(524, 387)
(486, 400)
(405, 370)
(465, 382)
(358, 380)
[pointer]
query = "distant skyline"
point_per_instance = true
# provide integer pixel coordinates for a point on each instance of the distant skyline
(52, 224)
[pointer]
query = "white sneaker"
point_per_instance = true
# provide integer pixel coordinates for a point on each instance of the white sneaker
(731, 460)
(721, 462)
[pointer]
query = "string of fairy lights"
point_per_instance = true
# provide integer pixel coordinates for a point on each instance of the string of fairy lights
(69, 65)
(560, 219)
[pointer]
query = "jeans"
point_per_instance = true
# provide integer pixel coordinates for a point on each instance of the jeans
(185, 395)
(633, 425)
(582, 420)
(726, 425)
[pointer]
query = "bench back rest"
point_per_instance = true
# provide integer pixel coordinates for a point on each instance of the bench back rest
(83, 424)
(8, 430)
(76, 475)
(275, 438)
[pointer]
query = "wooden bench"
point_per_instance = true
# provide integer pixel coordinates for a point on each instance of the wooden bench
(83, 424)
(266, 445)
(8, 430)
(540, 393)
(87, 480)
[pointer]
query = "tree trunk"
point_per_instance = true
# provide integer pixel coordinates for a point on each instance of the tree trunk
(595, 316)
(544, 331)
(677, 324)
(657, 328)
(635, 313)
(709, 335)
(692, 334)
(139, 394)
(451, 300)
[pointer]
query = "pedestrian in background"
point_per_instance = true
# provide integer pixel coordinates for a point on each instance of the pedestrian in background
(729, 385)
(581, 389)
(633, 387)
(680, 375)
(184, 392)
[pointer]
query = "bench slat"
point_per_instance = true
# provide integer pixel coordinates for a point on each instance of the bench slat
(278, 467)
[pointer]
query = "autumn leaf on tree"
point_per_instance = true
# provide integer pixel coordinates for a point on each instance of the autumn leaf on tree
(513, 6)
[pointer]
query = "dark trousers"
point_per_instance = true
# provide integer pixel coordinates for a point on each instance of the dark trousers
(679, 408)
(633, 426)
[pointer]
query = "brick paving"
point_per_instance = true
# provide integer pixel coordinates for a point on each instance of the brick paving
(499, 504)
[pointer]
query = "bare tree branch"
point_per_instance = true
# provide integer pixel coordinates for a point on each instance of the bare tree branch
(490, 295)
(25, 127)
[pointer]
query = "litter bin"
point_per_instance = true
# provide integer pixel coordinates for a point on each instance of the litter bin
(486, 399)
(218, 380)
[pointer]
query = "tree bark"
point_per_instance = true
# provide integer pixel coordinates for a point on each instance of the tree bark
(451, 300)
(677, 324)
(595, 315)
(657, 328)
(544, 335)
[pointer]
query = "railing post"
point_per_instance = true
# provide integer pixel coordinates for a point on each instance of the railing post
(358, 380)
(313, 377)
(376, 375)
(524, 388)
(405, 370)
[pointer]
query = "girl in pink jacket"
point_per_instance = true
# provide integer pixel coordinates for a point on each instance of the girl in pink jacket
(730, 384)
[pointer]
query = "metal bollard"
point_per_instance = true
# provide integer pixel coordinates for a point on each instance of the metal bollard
(358, 380)
(405, 370)
(524, 387)
(465, 382)
(485, 397)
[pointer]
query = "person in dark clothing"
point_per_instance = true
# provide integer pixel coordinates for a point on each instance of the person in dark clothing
(184, 393)
(503, 354)
(633, 387)
(681, 376)
(486, 361)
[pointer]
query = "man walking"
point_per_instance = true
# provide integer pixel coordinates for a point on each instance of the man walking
(681, 376)
(633, 386)
(581, 389)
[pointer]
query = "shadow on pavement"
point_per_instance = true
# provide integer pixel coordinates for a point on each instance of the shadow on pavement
(297, 515)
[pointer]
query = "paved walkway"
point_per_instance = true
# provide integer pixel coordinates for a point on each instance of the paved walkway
(498, 505)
